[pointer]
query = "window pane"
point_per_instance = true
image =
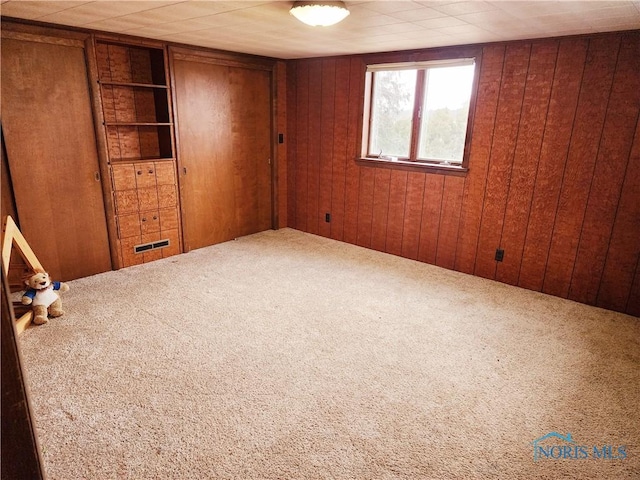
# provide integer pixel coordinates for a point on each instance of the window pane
(445, 112)
(392, 110)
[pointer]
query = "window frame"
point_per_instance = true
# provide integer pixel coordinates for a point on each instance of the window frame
(419, 62)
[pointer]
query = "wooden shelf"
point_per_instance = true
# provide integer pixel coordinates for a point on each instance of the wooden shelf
(142, 159)
(129, 84)
(138, 124)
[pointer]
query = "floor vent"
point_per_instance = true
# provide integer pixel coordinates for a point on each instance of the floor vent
(145, 247)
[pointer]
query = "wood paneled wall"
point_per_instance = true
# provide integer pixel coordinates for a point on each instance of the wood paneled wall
(554, 172)
(280, 177)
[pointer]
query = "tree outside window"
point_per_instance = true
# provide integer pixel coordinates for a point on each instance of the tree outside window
(419, 112)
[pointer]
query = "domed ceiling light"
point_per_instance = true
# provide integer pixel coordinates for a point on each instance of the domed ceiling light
(319, 13)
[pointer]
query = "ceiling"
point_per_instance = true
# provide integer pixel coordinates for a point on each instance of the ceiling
(266, 28)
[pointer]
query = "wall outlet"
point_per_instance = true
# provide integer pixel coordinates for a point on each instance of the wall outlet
(499, 255)
(327, 217)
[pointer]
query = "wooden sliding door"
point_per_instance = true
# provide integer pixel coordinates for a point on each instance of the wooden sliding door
(51, 152)
(223, 115)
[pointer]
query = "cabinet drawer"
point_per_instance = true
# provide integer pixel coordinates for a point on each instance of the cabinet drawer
(147, 198)
(126, 201)
(129, 225)
(149, 222)
(169, 219)
(124, 177)
(165, 173)
(129, 176)
(145, 175)
(167, 196)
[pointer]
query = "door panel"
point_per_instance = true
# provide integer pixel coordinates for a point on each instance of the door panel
(52, 155)
(224, 130)
(250, 107)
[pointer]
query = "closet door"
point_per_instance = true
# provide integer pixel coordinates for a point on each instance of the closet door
(51, 152)
(223, 116)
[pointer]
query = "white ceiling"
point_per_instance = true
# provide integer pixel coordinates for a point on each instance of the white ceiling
(266, 28)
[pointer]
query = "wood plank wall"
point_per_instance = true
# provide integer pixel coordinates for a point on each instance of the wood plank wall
(554, 176)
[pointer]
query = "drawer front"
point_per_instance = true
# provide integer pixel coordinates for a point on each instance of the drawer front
(149, 222)
(129, 225)
(145, 175)
(147, 199)
(169, 219)
(167, 196)
(124, 177)
(126, 201)
(165, 173)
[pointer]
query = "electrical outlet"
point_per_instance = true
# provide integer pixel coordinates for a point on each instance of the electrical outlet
(327, 217)
(499, 255)
(281, 138)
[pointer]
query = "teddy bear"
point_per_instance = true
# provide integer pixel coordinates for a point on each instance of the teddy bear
(42, 295)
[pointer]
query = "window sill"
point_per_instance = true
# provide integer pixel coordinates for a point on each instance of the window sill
(413, 166)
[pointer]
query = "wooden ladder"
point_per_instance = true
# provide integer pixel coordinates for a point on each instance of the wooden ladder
(12, 237)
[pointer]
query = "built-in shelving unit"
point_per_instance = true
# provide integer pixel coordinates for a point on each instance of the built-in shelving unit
(136, 107)
(135, 102)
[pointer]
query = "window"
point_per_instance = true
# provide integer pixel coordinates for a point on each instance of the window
(419, 113)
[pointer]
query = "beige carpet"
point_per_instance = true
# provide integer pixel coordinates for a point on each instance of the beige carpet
(285, 355)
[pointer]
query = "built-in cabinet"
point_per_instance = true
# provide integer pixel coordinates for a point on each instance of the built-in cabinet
(92, 160)
(137, 123)
(146, 205)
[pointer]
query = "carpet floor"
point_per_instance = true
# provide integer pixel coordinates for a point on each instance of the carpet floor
(284, 355)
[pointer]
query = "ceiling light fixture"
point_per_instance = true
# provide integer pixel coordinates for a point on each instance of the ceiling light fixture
(319, 13)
